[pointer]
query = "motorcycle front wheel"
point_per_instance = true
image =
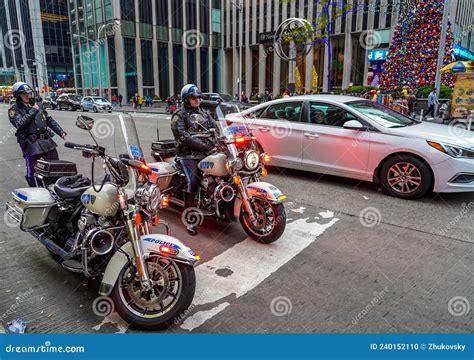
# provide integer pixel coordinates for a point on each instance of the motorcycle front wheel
(171, 294)
(270, 221)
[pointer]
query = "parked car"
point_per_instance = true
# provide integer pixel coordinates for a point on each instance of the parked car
(95, 104)
(227, 103)
(50, 102)
(356, 138)
(69, 102)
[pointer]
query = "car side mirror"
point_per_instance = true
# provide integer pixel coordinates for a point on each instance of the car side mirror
(84, 122)
(219, 100)
(354, 125)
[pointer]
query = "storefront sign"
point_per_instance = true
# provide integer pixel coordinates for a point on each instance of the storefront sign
(377, 55)
(266, 37)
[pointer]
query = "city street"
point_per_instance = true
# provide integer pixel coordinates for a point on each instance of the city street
(332, 271)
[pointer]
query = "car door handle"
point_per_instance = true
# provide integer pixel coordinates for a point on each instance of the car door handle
(311, 135)
(264, 128)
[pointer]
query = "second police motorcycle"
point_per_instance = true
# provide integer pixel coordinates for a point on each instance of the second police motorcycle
(230, 184)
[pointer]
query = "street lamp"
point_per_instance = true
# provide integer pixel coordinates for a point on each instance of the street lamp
(239, 7)
(97, 47)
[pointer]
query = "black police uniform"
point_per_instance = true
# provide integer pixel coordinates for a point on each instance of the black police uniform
(34, 135)
(190, 150)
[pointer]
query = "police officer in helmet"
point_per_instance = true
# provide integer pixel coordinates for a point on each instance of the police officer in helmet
(34, 127)
(190, 120)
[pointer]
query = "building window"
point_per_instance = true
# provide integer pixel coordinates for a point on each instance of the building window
(216, 74)
(145, 10)
(163, 70)
(177, 14)
(162, 13)
(204, 17)
(191, 14)
(147, 62)
(127, 7)
(388, 18)
(130, 60)
(112, 62)
(204, 69)
(191, 55)
(178, 68)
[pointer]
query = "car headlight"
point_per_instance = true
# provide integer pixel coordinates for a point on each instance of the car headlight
(451, 150)
(251, 160)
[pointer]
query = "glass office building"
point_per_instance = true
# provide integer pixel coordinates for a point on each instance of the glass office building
(35, 42)
(149, 47)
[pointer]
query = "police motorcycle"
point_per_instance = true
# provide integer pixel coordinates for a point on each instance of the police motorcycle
(231, 186)
(104, 230)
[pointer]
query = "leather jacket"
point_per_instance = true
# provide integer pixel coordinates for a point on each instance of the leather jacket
(33, 129)
(188, 121)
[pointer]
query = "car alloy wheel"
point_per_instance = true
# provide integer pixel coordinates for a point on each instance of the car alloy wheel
(404, 177)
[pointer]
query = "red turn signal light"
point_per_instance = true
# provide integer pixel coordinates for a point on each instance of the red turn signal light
(168, 250)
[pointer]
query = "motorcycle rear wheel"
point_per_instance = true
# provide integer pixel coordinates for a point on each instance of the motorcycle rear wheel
(173, 290)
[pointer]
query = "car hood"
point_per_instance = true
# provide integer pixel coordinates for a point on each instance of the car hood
(436, 132)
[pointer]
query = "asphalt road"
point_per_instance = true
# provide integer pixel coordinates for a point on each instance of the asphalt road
(408, 270)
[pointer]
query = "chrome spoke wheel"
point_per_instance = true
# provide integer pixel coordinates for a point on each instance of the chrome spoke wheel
(264, 218)
(166, 289)
(404, 177)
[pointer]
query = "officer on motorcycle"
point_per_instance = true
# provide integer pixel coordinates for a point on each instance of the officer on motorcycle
(187, 121)
(34, 127)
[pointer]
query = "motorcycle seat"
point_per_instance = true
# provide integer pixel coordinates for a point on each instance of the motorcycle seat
(69, 187)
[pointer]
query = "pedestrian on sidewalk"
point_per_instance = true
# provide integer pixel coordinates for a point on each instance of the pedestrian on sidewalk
(432, 102)
(412, 104)
(140, 102)
(120, 98)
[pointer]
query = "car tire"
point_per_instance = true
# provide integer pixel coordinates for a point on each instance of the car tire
(82, 108)
(95, 109)
(406, 177)
(70, 108)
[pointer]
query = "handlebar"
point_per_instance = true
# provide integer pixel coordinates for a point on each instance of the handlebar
(71, 145)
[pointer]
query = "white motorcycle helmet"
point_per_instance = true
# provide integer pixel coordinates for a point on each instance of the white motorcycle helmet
(21, 88)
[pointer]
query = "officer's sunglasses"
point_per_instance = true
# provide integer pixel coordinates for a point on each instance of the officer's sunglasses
(195, 97)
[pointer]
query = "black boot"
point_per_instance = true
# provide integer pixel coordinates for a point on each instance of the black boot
(31, 181)
(191, 227)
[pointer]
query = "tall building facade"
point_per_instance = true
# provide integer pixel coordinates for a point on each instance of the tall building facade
(149, 47)
(35, 42)
(352, 55)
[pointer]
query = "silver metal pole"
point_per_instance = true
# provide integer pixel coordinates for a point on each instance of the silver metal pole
(442, 45)
(240, 48)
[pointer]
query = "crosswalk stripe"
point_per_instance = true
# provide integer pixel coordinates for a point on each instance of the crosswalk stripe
(245, 266)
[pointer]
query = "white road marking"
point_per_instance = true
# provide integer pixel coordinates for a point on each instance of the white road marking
(249, 263)
(300, 210)
(116, 320)
(326, 214)
(202, 316)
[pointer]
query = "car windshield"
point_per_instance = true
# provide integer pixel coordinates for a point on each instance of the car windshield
(382, 115)
(99, 99)
(75, 97)
(227, 97)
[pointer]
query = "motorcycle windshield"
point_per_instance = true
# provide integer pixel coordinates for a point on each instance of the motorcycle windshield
(232, 132)
(130, 137)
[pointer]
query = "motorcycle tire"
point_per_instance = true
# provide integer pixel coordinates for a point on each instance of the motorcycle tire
(278, 229)
(188, 287)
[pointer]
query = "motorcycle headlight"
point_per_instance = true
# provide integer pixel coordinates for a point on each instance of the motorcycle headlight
(148, 196)
(454, 151)
(251, 160)
(235, 164)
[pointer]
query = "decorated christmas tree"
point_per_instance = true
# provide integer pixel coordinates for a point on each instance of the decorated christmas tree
(413, 54)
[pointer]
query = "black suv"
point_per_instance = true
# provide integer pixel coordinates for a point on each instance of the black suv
(49, 102)
(69, 102)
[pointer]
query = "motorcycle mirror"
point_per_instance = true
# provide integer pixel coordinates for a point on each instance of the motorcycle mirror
(84, 122)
